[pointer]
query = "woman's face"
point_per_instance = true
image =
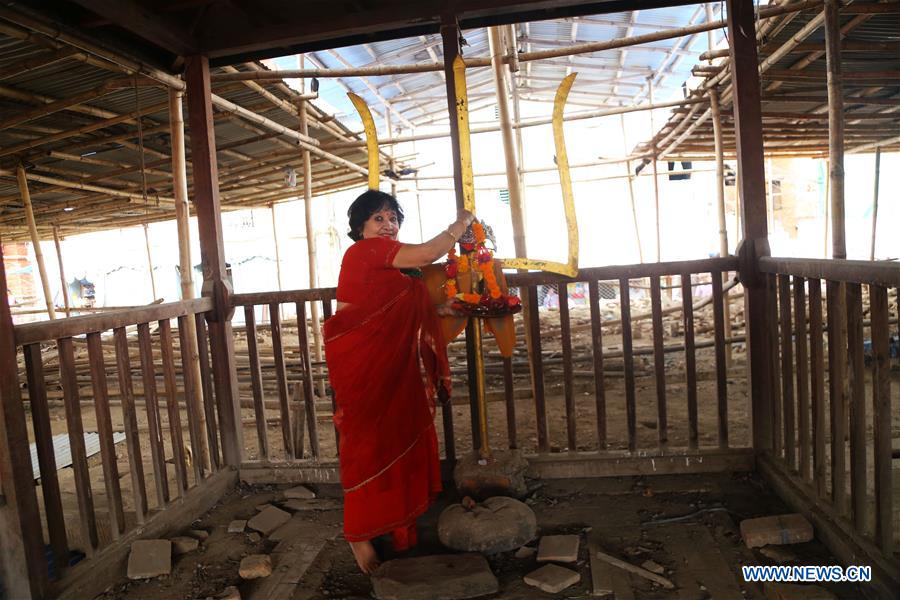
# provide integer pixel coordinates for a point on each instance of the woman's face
(383, 223)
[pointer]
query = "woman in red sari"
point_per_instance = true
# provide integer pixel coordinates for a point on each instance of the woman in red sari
(386, 360)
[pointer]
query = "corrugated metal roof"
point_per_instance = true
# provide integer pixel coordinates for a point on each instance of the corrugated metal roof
(63, 452)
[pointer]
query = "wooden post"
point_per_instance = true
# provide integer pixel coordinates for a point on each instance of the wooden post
(720, 197)
(637, 229)
(35, 241)
(216, 282)
(185, 263)
(875, 201)
(656, 184)
(64, 287)
(749, 144)
(835, 128)
(150, 262)
(24, 568)
(311, 245)
(390, 134)
(509, 147)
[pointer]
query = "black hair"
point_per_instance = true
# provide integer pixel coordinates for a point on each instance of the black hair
(367, 204)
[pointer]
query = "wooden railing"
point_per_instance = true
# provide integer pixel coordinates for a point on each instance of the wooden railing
(298, 412)
(59, 358)
(822, 441)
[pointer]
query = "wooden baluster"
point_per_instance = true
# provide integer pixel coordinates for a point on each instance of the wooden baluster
(259, 410)
(802, 377)
(306, 366)
(43, 439)
(721, 361)
(690, 358)
(537, 370)
(192, 409)
(597, 351)
(209, 401)
(151, 403)
(281, 378)
(509, 396)
(659, 362)
(298, 423)
(568, 377)
(104, 431)
(817, 386)
(837, 378)
(175, 432)
(857, 377)
(787, 370)
(777, 419)
(129, 419)
(69, 381)
(326, 314)
(881, 420)
(628, 359)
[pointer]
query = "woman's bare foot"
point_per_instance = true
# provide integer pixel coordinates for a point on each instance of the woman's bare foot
(365, 556)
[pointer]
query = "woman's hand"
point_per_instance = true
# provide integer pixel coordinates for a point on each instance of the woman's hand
(465, 217)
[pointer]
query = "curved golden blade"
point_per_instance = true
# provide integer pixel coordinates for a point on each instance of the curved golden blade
(569, 269)
(465, 143)
(371, 138)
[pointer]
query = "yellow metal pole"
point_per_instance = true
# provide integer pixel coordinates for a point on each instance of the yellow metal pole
(485, 450)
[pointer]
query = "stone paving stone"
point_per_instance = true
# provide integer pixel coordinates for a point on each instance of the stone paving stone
(149, 558)
(552, 578)
(269, 520)
(298, 504)
(524, 552)
(237, 526)
(255, 566)
(779, 529)
(439, 577)
(301, 492)
(558, 548)
(200, 534)
(184, 544)
(229, 593)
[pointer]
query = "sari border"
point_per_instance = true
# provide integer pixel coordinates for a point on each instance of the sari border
(368, 319)
(390, 464)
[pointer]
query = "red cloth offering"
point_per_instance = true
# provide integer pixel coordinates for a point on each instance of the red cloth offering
(385, 358)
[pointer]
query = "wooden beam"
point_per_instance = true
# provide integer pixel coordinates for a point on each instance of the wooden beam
(141, 22)
(216, 282)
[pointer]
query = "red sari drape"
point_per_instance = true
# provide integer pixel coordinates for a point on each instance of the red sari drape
(385, 358)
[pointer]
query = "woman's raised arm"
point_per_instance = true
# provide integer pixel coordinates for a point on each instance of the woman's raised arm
(418, 255)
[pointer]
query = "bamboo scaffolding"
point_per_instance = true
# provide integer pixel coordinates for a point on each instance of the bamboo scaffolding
(35, 239)
(64, 286)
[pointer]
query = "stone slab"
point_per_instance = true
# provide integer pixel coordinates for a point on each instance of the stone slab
(439, 577)
(255, 566)
(778, 529)
(149, 558)
(525, 552)
(558, 548)
(269, 520)
(199, 534)
(300, 492)
(237, 526)
(552, 578)
(184, 544)
(299, 504)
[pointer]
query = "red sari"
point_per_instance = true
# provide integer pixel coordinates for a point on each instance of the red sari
(385, 358)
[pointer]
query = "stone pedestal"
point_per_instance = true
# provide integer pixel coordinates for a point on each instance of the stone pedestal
(442, 577)
(501, 475)
(497, 525)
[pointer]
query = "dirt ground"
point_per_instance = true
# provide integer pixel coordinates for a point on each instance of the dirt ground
(687, 524)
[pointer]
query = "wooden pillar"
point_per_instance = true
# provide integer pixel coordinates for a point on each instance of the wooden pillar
(22, 563)
(875, 201)
(835, 128)
(311, 250)
(275, 243)
(509, 147)
(749, 144)
(630, 179)
(656, 185)
(720, 200)
(450, 39)
(35, 241)
(64, 287)
(185, 263)
(150, 263)
(216, 282)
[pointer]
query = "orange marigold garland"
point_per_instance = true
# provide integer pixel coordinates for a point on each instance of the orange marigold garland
(477, 255)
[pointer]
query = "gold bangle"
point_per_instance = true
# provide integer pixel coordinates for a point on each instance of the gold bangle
(450, 233)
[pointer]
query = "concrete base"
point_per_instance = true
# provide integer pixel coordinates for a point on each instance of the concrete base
(502, 475)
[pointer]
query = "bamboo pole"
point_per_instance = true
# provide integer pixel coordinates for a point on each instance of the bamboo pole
(185, 264)
(64, 288)
(277, 250)
(35, 241)
(655, 174)
(835, 128)
(875, 201)
(509, 151)
(720, 197)
(311, 250)
(150, 262)
(630, 179)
